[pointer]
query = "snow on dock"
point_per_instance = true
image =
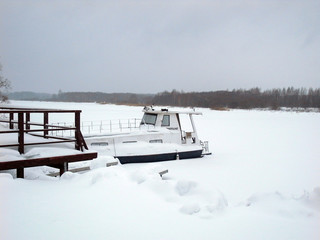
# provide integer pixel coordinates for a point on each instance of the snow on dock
(21, 133)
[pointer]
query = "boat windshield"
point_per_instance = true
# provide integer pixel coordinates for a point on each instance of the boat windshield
(149, 119)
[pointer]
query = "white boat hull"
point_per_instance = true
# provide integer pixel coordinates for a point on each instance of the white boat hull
(143, 147)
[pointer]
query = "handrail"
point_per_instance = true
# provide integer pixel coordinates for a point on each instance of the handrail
(24, 126)
(36, 124)
(105, 126)
(35, 110)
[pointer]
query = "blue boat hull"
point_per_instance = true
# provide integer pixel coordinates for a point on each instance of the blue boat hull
(159, 157)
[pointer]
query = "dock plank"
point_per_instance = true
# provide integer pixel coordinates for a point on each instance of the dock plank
(58, 161)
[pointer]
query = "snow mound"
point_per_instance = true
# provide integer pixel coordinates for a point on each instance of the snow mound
(190, 209)
(40, 152)
(110, 175)
(206, 203)
(183, 187)
(187, 196)
(218, 204)
(147, 173)
(9, 155)
(314, 199)
(311, 199)
(68, 175)
(6, 176)
(102, 161)
(276, 203)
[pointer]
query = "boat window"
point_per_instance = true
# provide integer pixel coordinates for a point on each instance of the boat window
(156, 141)
(129, 141)
(149, 119)
(165, 121)
(100, 144)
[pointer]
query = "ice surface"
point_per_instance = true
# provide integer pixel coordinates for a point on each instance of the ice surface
(262, 182)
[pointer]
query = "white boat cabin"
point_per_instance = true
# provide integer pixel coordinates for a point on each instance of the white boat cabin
(172, 121)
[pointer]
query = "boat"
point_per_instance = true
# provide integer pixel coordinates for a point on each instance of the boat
(159, 137)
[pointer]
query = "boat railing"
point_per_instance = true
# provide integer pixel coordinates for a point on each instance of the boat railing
(101, 126)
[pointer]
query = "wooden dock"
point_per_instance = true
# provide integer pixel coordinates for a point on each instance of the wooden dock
(18, 120)
(60, 162)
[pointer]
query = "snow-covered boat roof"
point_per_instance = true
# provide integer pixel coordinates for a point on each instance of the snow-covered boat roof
(166, 110)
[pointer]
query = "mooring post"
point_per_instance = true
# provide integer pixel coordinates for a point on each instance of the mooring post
(45, 123)
(21, 133)
(11, 118)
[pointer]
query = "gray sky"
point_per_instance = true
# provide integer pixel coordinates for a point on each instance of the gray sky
(150, 46)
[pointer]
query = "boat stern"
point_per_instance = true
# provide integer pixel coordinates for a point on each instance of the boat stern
(205, 148)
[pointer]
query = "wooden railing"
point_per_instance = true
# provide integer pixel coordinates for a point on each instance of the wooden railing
(18, 120)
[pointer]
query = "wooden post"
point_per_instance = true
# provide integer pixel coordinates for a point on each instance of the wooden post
(21, 133)
(11, 119)
(63, 168)
(45, 123)
(20, 172)
(27, 120)
(77, 125)
(77, 120)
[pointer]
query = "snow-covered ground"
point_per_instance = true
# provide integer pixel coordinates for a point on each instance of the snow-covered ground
(262, 182)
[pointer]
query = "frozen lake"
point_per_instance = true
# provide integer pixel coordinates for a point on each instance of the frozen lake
(262, 182)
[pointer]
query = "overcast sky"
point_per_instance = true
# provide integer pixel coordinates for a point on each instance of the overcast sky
(150, 46)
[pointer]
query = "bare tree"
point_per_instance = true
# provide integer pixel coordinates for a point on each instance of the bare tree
(4, 86)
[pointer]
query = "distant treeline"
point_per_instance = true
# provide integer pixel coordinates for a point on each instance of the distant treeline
(242, 99)
(114, 98)
(100, 97)
(29, 96)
